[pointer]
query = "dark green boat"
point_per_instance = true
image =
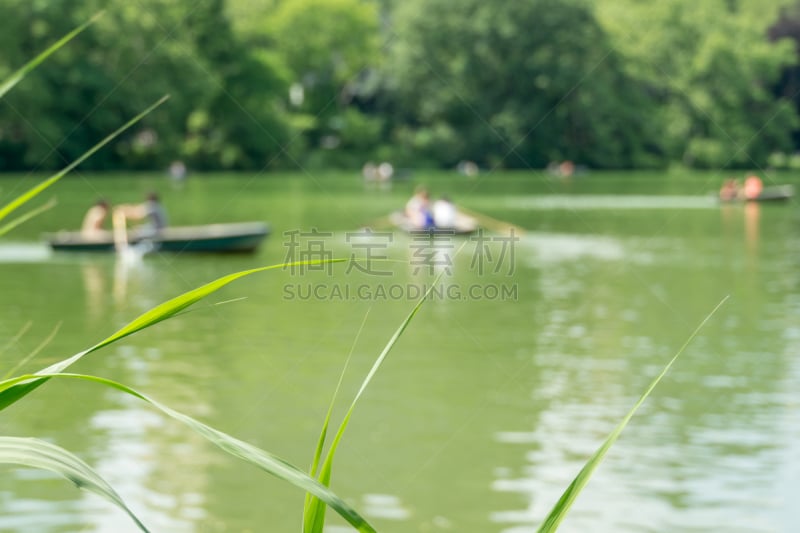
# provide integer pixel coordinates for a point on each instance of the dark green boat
(244, 237)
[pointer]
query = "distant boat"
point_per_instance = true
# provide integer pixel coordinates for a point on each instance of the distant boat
(244, 237)
(779, 193)
(464, 225)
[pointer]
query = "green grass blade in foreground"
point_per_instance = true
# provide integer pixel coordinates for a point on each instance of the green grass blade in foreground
(247, 452)
(315, 519)
(12, 392)
(34, 353)
(28, 195)
(309, 500)
(15, 339)
(17, 76)
(27, 216)
(43, 455)
(563, 505)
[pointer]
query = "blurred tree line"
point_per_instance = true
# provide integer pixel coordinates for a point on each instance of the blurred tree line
(318, 83)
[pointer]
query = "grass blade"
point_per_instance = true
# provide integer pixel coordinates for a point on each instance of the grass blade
(564, 503)
(37, 453)
(28, 195)
(247, 452)
(177, 304)
(13, 340)
(308, 512)
(17, 76)
(11, 393)
(35, 351)
(314, 516)
(27, 216)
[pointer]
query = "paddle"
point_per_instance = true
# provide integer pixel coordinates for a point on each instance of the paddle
(120, 230)
(490, 223)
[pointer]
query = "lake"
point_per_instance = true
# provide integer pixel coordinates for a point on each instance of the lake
(534, 346)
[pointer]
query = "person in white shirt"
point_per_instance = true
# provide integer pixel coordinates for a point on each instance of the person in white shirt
(444, 213)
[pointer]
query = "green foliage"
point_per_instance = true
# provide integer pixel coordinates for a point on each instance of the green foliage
(326, 61)
(522, 83)
(326, 52)
(128, 58)
(22, 199)
(605, 83)
(712, 69)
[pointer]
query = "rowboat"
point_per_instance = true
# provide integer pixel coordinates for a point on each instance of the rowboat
(779, 193)
(464, 225)
(243, 237)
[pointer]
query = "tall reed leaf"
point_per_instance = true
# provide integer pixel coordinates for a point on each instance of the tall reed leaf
(26, 196)
(247, 452)
(40, 454)
(17, 76)
(12, 392)
(27, 216)
(564, 503)
(309, 500)
(314, 512)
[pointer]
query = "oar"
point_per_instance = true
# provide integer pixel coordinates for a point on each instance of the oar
(493, 224)
(120, 231)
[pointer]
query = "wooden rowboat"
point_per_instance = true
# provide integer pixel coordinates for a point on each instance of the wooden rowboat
(244, 237)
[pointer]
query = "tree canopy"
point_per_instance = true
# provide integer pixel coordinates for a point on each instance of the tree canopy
(605, 83)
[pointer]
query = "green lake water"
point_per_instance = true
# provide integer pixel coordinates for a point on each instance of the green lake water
(501, 387)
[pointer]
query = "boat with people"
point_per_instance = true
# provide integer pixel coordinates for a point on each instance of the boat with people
(461, 225)
(241, 237)
(753, 190)
(778, 193)
(421, 215)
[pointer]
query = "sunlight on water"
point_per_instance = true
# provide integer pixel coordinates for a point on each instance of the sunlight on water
(554, 247)
(384, 506)
(24, 253)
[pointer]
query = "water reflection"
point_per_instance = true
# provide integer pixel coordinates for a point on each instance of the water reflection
(161, 479)
(116, 284)
(752, 215)
(96, 288)
(385, 507)
(701, 456)
(160, 467)
(748, 216)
